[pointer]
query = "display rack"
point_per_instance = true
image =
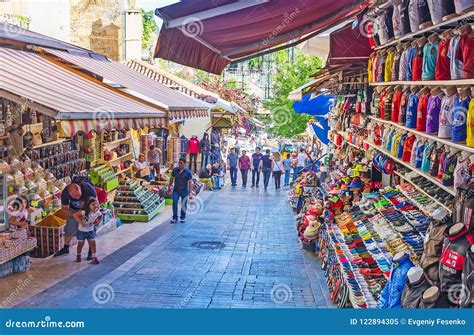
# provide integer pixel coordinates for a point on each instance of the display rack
(450, 190)
(425, 135)
(3, 206)
(134, 202)
(419, 189)
(452, 22)
(103, 176)
(18, 253)
(457, 82)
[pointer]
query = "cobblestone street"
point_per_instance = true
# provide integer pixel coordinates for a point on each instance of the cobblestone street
(238, 249)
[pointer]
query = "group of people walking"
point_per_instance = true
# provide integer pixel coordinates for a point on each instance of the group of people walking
(258, 164)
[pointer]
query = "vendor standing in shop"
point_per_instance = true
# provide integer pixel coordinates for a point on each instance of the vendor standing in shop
(73, 199)
(154, 160)
(182, 181)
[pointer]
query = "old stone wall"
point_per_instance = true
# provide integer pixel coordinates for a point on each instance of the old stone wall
(98, 25)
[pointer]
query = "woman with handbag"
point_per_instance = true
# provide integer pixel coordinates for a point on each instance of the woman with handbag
(277, 169)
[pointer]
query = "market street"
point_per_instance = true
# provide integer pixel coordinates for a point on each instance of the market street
(251, 258)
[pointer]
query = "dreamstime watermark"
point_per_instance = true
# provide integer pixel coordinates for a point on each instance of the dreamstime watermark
(281, 116)
(192, 27)
(189, 296)
(281, 294)
(194, 206)
(22, 284)
(15, 24)
(104, 117)
(103, 293)
(367, 26)
(16, 204)
(47, 322)
(458, 294)
(288, 17)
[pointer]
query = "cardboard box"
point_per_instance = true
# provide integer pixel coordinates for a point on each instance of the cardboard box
(145, 172)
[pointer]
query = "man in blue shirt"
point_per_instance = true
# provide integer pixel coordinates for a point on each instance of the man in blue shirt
(182, 179)
(232, 163)
(256, 157)
(266, 167)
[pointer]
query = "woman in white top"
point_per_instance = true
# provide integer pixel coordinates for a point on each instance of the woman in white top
(277, 169)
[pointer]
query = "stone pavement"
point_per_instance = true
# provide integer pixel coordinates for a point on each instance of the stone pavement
(238, 249)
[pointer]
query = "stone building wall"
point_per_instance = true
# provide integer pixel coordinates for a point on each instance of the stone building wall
(98, 25)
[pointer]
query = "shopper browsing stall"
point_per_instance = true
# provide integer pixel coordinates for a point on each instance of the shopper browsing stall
(205, 148)
(182, 181)
(73, 199)
(193, 151)
(287, 169)
(154, 160)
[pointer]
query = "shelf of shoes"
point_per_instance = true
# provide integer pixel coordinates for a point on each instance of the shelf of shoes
(427, 208)
(359, 296)
(389, 233)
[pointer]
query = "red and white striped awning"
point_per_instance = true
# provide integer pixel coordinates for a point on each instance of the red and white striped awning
(178, 105)
(70, 96)
(69, 128)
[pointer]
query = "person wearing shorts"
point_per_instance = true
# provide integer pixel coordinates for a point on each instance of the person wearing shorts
(73, 199)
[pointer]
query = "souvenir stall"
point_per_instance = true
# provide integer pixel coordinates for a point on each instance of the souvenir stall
(52, 139)
(392, 226)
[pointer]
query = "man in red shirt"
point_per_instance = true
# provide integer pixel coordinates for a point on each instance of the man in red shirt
(244, 166)
(193, 151)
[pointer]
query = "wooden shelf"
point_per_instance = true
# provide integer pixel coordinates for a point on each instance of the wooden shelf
(457, 82)
(435, 181)
(454, 22)
(123, 171)
(120, 159)
(17, 254)
(354, 146)
(61, 140)
(459, 146)
(421, 191)
(122, 140)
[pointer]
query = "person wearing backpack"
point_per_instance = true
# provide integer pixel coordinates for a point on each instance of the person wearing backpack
(73, 199)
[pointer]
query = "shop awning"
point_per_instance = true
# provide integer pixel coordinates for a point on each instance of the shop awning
(13, 35)
(183, 86)
(315, 106)
(209, 34)
(31, 79)
(179, 105)
(348, 46)
(321, 129)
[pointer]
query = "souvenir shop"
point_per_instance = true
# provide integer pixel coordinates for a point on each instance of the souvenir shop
(390, 217)
(50, 138)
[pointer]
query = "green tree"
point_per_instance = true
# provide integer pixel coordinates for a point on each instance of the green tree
(150, 29)
(288, 76)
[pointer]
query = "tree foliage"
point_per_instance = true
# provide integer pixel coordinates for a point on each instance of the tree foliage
(150, 29)
(288, 76)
